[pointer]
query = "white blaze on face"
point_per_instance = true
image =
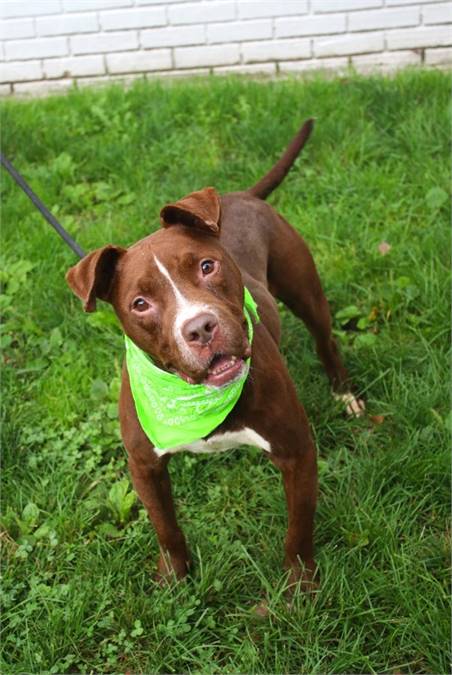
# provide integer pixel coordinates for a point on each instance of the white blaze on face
(185, 310)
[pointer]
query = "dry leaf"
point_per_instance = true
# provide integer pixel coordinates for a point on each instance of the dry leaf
(377, 419)
(261, 610)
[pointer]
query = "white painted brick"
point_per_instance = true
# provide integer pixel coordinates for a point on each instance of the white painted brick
(16, 28)
(215, 36)
(396, 3)
(438, 57)
(336, 65)
(103, 80)
(42, 88)
(310, 25)
(215, 55)
(365, 63)
(139, 62)
(189, 72)
(20, 71)
(125, 80)
(5, 89)
(35, 49)
(157, 2)
(202, 12)
(419, 37)
(64, 24)
(172, 36)
(349, 44)
(12, 8)
(407, 56)
(382, 63)
(368, 69)
(151, 75)
(255, 9)
(94, 5)
(238, 31)
(441, 13)
(133, 18)
(104, 42)
(76, 66)
(254, 69)
(341, 5)
(276, 50)
(384, 18)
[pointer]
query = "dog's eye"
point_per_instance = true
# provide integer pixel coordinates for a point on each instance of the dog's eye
(207, 267)
(140, 305)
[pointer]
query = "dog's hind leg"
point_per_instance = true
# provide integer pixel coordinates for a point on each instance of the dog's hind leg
(294, 280)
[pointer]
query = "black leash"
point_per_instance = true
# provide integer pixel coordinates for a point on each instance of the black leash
(20, 180)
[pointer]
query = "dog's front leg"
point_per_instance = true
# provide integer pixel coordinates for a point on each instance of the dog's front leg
(297, 462)
(152, 482)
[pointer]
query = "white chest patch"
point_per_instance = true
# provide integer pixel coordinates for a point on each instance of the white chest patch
(221, 442)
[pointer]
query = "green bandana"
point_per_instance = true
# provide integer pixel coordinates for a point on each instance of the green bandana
(173, 412)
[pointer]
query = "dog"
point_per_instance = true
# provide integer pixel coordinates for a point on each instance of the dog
(179, 296)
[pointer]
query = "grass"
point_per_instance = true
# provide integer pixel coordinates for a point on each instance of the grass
(78, 552)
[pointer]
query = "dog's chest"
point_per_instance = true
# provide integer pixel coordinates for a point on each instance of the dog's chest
(221, 442)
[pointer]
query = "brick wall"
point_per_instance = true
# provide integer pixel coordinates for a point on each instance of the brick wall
(50, 44)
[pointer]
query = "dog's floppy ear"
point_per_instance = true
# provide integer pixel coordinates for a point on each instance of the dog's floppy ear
(198, 209)
(92, 277)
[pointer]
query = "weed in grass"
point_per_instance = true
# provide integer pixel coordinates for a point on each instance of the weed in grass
(78, 552)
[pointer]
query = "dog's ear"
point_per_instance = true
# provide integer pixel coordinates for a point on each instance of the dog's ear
(198, 209)
(92, 277)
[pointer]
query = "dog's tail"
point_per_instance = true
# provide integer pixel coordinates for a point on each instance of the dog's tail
(276, 175)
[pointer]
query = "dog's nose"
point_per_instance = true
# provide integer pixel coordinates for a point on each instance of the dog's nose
(200, 330)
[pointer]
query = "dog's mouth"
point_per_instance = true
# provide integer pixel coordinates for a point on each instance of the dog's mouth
(223, 369)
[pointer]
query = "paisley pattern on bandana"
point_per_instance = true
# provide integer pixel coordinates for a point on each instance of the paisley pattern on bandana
(173, 412)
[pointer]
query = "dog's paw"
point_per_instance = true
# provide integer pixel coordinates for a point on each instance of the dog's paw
(354, 407)
(303, 578)
(170, 569)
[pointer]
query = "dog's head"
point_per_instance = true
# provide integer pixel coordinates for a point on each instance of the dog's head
(177, 293)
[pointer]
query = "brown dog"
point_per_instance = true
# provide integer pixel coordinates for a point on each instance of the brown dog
(179, 296)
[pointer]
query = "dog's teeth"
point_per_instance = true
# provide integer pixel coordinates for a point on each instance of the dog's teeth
(232, 361)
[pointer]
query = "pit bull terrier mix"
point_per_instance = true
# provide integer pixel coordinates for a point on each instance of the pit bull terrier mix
(178, 294)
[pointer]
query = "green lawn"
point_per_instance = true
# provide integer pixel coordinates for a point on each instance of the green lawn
(78, 552)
